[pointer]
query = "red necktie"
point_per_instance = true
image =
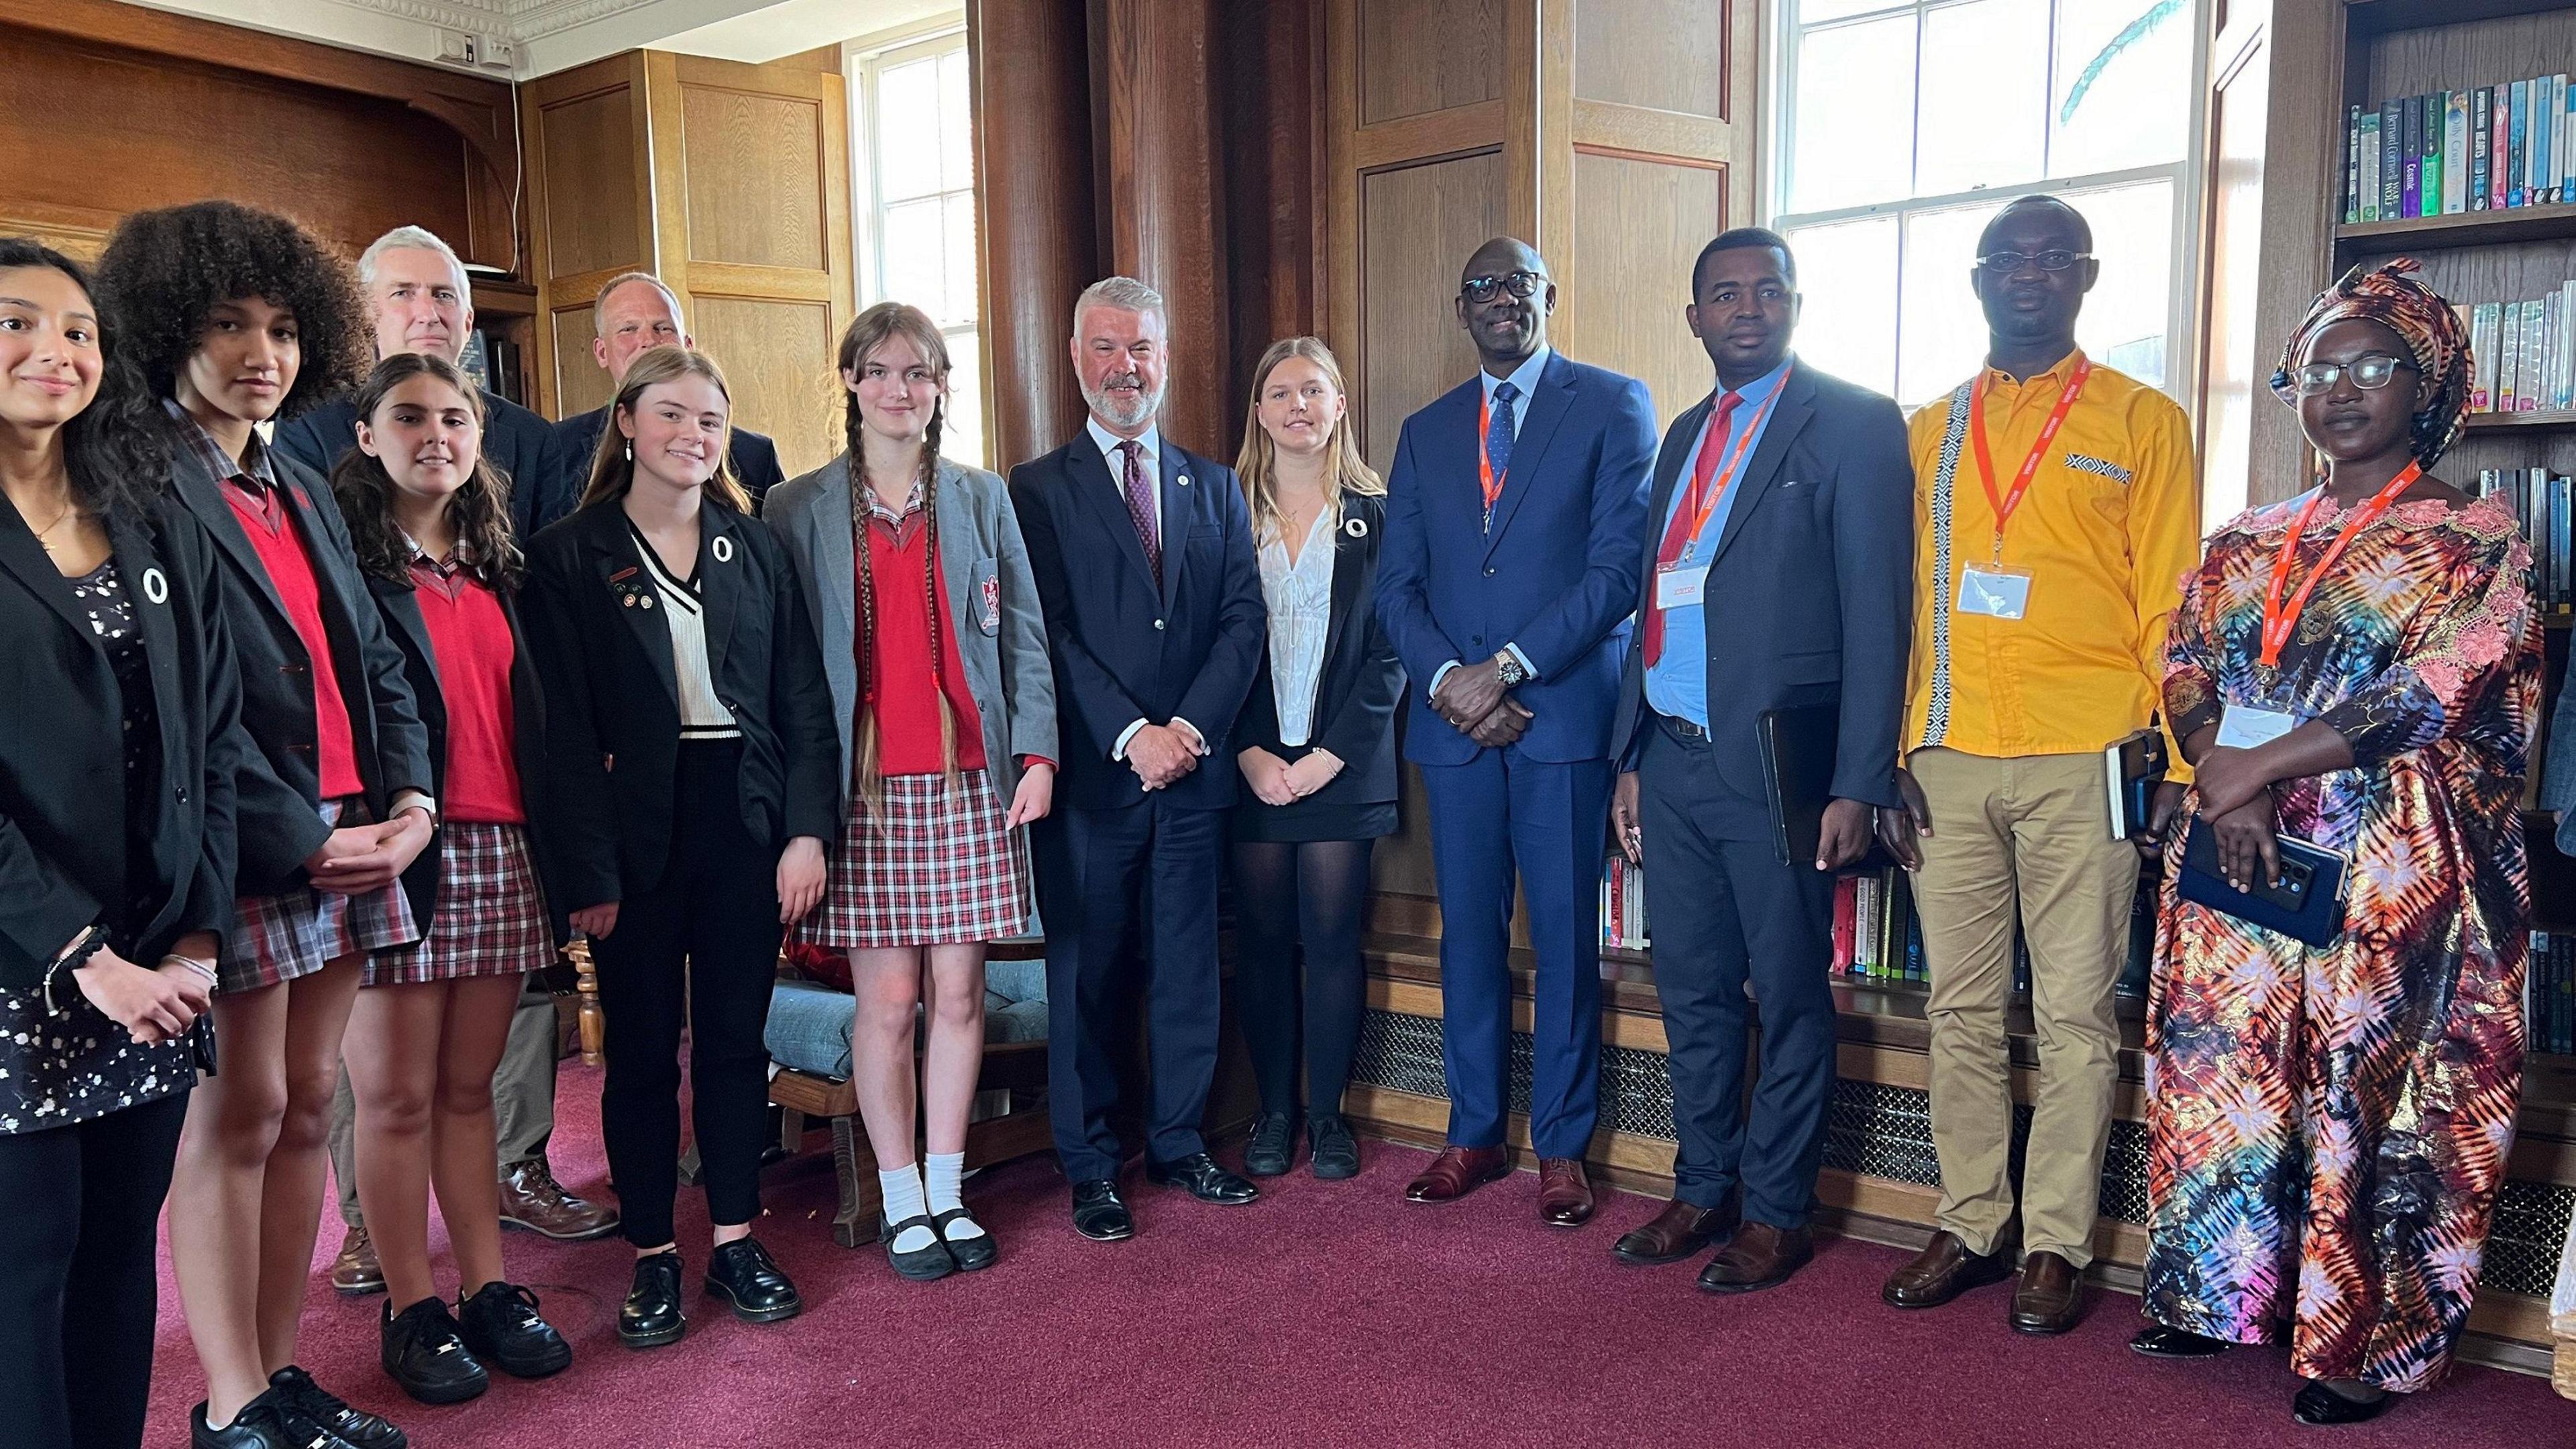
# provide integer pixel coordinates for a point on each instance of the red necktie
(1677, 533)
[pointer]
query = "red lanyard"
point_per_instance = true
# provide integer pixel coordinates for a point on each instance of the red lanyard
(1726, 470)
(2004, 504)
(1493, 486)
(2279, 620)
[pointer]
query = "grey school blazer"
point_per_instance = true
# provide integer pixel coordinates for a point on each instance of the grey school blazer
(992, 603)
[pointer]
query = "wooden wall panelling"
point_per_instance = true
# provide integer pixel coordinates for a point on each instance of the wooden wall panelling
(1273, 189)
(1417, 225)
(1416, 56)
(777, 359)
(1638, 222)
(590, 204)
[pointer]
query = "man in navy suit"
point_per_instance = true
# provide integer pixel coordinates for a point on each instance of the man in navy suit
(1515, 519)
(1786, 499)
(1145, 568)
(634, 312)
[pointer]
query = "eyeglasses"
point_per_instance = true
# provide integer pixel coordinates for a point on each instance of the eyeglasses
(2369, 373)
(1481, 290)
(2004, 264)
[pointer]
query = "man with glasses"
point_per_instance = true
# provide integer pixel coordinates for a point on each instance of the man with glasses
(2056, 511)
(1515, 536)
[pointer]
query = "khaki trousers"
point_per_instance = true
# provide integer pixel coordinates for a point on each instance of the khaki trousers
(2032, 832)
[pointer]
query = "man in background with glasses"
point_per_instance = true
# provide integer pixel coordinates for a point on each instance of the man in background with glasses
(2056, 511)
(1515, 534)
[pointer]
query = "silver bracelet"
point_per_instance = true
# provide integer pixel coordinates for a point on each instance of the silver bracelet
(193, 964)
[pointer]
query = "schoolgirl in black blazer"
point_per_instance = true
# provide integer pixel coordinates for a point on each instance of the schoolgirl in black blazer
(691, 755)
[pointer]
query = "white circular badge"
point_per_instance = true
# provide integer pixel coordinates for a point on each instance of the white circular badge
(722, 548)
(155, 587)
(1355, 527)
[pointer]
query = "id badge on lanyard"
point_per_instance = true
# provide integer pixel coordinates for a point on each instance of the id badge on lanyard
(1680, 585)
(1993, 590)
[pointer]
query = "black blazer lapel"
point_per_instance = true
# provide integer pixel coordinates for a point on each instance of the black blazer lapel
(1097, 493)
(1178, 517)
(1762, 472)
(1350, 561)
(25, 558)
(619, 565)
(1549, 402)
(723, 575)
(1670, 459)
(203, 494)
(399, 607)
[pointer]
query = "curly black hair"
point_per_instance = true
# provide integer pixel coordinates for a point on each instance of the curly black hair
(480, 511)
(115, 471)
(164, 271)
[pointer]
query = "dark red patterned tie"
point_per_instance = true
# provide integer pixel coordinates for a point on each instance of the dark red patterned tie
(1140, 507)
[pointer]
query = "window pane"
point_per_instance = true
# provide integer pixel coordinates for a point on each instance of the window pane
(1985, 96)
(1811, 11)
(915, 258)
(1854, 115)
(1847, 318)
(1943, 336)
(908, 140)
(960, 242)
(956, 124)
(962, 435)
(2124, 320)
(2123, 85)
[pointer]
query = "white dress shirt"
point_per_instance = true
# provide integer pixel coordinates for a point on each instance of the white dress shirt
(1300, 596)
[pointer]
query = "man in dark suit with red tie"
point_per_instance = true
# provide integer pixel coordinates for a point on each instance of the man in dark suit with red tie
(1144, 562)
(1785, 499)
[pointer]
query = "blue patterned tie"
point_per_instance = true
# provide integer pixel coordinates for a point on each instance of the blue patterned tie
(1498, 437)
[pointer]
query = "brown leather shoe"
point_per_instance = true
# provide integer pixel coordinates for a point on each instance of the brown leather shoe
(1564, 1192)
(1679, 1231)
(2050, 1296)
(1944, 1270)
(532, 1199)
(1458, 1171)
(356, 1272)
(1758, 1256)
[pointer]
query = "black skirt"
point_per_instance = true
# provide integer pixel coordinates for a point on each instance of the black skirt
(1313, 818)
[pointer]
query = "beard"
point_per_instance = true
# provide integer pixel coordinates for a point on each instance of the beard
(1118, 412)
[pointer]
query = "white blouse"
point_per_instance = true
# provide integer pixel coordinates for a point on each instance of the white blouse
(702, 715)
(1300, 596)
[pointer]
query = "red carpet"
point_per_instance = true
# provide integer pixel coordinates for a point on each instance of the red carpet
(1328, 1313)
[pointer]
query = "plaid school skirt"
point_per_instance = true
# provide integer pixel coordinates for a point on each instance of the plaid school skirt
(935, 867)
(298, 932)
(490, 919)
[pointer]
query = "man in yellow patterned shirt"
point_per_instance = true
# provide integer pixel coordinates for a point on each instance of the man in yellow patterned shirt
(2056, 511)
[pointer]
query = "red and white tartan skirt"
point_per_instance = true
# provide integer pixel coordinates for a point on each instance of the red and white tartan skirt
(298, 932)
(935, 867)
(490, 919)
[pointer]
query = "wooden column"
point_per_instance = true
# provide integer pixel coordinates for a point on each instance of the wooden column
(1031, 73)
(1274, 183)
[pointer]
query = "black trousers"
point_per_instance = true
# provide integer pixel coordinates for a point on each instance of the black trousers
(1129, 899)
(1310, 894)
(77, 1284)
(1724, 910)
(700, 949)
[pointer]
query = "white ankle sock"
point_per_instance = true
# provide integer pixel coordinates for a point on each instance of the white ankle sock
(946, 1171)
(902, 1188)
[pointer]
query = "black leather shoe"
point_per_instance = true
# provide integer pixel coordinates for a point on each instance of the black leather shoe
(2157, 1341)
(651, 1315)
(302, 1404)
(743, 1274)
(425, 1357)
(973, 1253)
(500, 1324)
(255, 1427)
(1274, 1143)
(1199, 1175)
(1100, 1214)
(2321, 1406)
(926, 1264)
(1335, 1153)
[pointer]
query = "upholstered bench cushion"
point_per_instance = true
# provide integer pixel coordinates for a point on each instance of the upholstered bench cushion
(809, 1029)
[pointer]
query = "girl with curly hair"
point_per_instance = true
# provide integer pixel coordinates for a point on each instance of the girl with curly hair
(233, 317)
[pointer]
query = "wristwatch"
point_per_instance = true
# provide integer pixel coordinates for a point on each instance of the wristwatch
(1507, 666)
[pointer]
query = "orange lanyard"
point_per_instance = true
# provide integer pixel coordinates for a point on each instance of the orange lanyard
(1726, 470)
(2280, 619)
(2004, 503)
(1492, 485)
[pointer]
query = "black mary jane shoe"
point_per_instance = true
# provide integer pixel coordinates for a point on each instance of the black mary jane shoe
(255, 1427)
(1099, 1213)
(1203, 1178)
(425, 1356)
(2158, 1341)
(304, 1405)
(1273, 1145)
(2323, 1407)
(501, 1325)
(743, 1274)
(973, 1254)
(926, 1264)
(1335, 1153)
(652, 1315)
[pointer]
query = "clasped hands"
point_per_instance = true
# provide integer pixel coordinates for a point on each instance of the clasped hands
(355, 859)
(153, 1004)
(1162, 754)
(1274, 781)
(1471, 697)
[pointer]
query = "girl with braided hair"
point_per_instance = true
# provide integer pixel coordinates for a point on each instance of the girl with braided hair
(914, 571)
(2357, 667)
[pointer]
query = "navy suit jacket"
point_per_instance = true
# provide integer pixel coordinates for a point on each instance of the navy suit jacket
(1814, 573)
(1125, 650)
(754, 457)
(1556, 574)
(518, 442)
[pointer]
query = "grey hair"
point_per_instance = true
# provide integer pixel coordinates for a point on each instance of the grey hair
(599, 316)
(411, 238)
(1126, 294)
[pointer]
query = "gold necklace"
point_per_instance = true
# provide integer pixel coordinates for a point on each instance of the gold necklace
(70, 511)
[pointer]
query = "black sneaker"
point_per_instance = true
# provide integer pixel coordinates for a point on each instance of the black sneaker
(1274, 1139)
(651, 1316)
(500, 1324)
(255, 1427)
(425, 1358)
(1336, 1152)
(742, 1273)
(300, 1402)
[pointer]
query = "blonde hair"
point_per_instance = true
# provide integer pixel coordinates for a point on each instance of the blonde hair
(612, 466)
(1257, 464)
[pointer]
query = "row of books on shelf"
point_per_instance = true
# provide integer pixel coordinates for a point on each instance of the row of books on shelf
(2523, 354)
(1878, 935)
(493, 364)
(2549, 993)
(2545, 502)
(1623, 906)
(2488, 149)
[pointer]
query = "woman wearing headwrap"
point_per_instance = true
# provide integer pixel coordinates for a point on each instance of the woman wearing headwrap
(2357, 667)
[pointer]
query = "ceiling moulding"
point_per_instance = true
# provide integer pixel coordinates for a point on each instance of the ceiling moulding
(548, 35)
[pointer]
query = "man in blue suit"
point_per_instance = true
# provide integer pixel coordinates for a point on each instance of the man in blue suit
(1143, 556)
(1786, 499)
(1515, 521)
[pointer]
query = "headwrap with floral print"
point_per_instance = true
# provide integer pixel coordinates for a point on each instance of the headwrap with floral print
(2389, 296)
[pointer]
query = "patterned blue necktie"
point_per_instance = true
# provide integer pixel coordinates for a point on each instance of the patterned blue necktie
(1498, 438)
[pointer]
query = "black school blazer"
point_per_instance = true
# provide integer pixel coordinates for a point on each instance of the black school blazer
(1360, 684)
(64, 864)
(613, 712)
(279, 828)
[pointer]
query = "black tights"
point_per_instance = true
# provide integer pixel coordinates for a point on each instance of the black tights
(1315, 892)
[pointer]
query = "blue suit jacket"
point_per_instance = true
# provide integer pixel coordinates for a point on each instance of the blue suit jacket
(1556, 575)
(1813, 578)
(518, 442)
(1125, 650)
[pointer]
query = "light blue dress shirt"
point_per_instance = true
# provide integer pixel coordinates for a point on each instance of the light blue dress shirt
(1677, 682)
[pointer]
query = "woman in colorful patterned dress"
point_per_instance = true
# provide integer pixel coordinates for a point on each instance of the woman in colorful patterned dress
(2329, 1125)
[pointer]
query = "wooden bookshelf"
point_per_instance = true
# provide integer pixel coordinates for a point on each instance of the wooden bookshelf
(2465, 229)
(2384, 17)
(2491, 422)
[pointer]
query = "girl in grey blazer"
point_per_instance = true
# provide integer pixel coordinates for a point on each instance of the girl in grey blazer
(920, 586)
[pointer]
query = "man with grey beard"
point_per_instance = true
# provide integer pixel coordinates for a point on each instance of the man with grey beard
(1145, 567)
